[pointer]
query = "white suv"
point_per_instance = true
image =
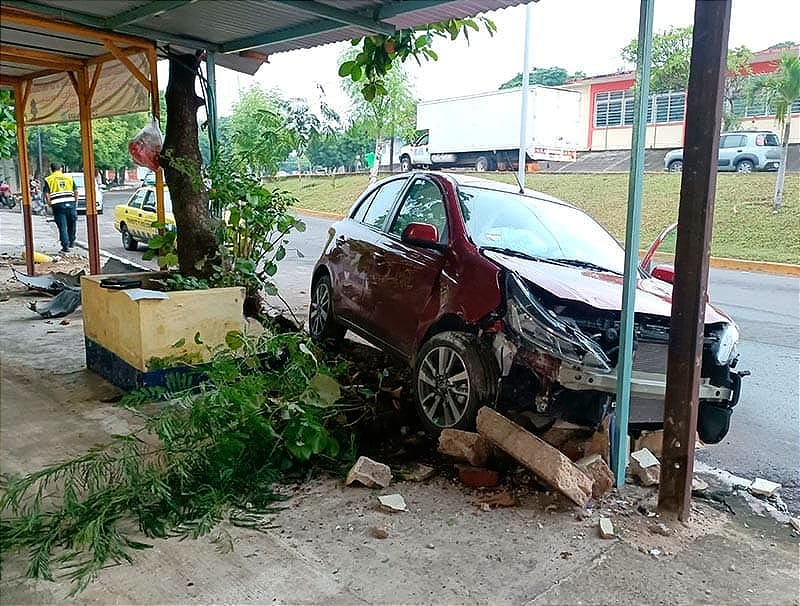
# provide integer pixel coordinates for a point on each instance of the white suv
(742, 151)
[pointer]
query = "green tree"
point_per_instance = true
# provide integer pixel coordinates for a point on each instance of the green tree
(736, 84)
(389, 114)
(672, 51)
(258, 132)
(8, 126)
(548, 76)
(782, 89)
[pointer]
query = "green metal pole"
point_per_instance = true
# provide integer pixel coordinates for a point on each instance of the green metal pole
(624, 366)
(211, 97)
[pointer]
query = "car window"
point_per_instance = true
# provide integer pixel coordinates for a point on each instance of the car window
(136, 199)
(423, 140)
(380, 204)
(733, 141)
(767, 140)
(149, 203)
(423, 204)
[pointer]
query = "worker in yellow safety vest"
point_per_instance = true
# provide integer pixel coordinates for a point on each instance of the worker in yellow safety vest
(61, 195)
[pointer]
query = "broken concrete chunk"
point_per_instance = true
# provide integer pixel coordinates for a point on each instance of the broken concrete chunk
(651, 440)
(660, 528)
(764, 487)
(369, 473)
(699, 485)
(478, 477)
(606, 528)
(644, 457)
(392, 502)
(646, 476)
(795, 523)
(595, 467)
(572, 440)
(465, 446)
(600, 441)
(542, 459)
(379, 532)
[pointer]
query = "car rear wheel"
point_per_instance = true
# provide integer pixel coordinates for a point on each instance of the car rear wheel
(405, 164)
(482, 164)
(128, 241)
(744, 167)
(322, 325)
(676, 166)
(453, 378)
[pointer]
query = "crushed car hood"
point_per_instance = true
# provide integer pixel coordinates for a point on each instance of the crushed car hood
(600, 290)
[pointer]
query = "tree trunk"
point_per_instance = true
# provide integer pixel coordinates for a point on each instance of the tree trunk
(376, 161)
(778, 199)
(180, 157)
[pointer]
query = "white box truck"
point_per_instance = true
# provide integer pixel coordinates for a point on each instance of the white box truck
(482, 131)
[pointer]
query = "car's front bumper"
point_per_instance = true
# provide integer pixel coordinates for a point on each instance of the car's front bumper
(772, 165)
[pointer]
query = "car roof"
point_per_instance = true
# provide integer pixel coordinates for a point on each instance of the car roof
(469, 180)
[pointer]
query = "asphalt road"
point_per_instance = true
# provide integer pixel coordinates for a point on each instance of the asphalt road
(764, 440)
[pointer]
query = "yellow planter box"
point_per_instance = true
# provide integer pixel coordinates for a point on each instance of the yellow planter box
(118, 328)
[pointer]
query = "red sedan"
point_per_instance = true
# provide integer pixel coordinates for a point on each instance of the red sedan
(502, 298)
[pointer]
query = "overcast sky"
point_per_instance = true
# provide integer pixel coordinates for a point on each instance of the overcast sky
(575, 34)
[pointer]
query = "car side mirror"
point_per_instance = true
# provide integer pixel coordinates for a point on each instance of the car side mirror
(665, 273)
(421, 234)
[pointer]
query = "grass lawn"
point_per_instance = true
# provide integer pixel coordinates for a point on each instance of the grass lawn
(744, 226)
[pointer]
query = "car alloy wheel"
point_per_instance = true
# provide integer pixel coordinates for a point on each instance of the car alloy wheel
(744, 167)
(676, 166)
(482, 164)
(321, 324)
(443, 386)
(405, 164)
(453, 378)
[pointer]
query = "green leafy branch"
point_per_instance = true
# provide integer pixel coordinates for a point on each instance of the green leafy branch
(379, 52)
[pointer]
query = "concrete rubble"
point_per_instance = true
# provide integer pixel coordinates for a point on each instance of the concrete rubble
(596, 468)
(369, 473)
(392, 503)
(764, 488)
(644, 466)
(651, 440)
(606, 528)
(478, 477)
(548, 463)
(464, 446)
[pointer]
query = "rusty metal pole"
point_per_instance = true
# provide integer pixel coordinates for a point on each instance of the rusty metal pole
(85, 94)
(21, 92)
(695, 217)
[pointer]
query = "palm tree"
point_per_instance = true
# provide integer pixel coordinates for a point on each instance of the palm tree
(781, 90)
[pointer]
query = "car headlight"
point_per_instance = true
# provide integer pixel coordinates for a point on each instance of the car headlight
(535, 323)
(725, 350)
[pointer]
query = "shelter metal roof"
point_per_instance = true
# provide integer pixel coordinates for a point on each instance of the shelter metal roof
(242, 32)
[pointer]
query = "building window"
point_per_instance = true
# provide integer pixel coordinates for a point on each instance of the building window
(796, 106)
(611, 107)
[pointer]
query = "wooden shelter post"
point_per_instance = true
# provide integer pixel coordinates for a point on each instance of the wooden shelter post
(152, 61)
(21, 92)
(695, 218)
(85, 90)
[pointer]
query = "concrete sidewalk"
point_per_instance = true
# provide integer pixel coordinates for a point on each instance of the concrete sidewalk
(444, 549)
(12, 234)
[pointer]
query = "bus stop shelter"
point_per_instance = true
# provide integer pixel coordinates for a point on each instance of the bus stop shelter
(83, 42)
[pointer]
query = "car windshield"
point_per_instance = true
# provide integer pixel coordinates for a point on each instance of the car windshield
(78, 180)
(538, 228)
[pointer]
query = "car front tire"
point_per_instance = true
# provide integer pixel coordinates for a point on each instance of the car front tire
(128, 241)
(676, 166)
(482, 164)
(322, 325)
(744, 167)
(453, 378)
(405, 164)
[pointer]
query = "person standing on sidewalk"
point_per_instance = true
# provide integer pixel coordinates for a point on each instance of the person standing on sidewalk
(61, 195)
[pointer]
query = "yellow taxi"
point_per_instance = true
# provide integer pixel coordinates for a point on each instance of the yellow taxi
(134, 219)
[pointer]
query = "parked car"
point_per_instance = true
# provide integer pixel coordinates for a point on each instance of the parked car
(134, 219)
(78, 179)
(500, 298)
(741, 151)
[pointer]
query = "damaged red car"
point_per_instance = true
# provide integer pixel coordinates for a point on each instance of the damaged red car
(505, 299)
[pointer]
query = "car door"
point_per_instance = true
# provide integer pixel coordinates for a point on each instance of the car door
(148, 216)
(420, 153)
(403, 290)
(350, 251)
(729, 147)
(131, 211)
